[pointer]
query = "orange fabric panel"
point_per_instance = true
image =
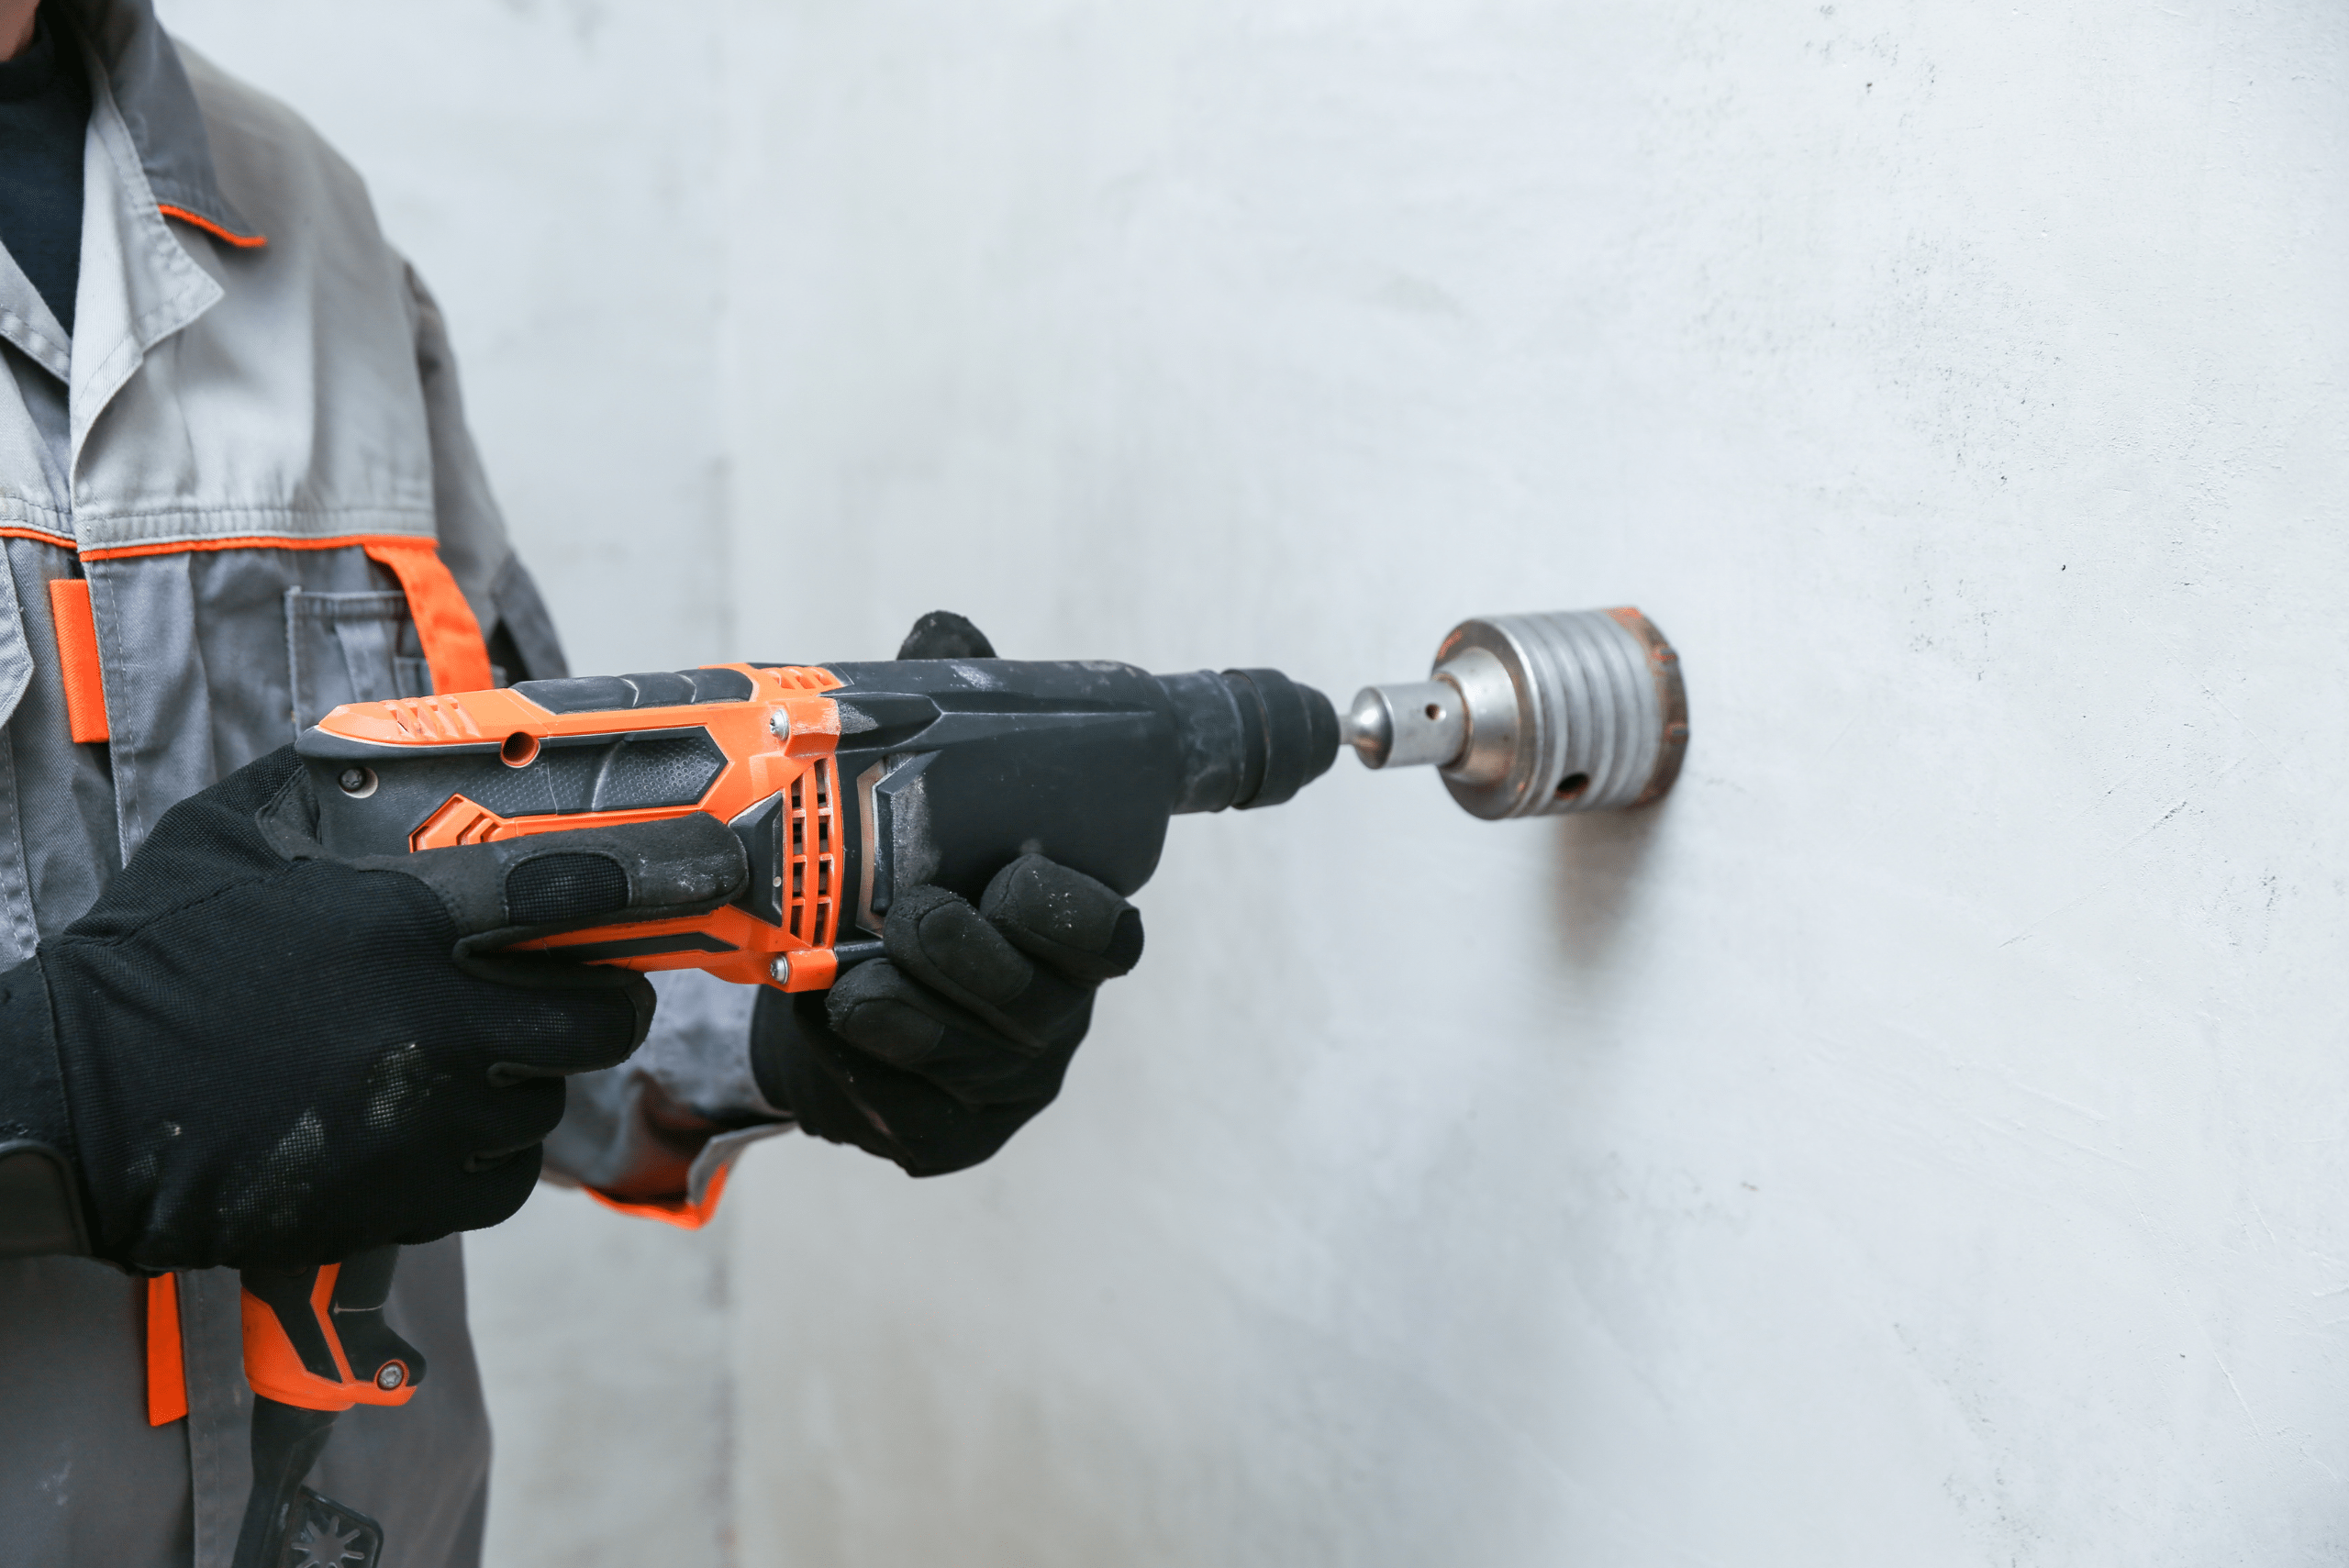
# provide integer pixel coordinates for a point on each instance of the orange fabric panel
(444, 622)
(166, 1361)
(673, 1211)
(242, 241)
(77, 658)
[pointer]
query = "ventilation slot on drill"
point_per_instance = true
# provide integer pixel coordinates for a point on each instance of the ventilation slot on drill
(826, 909)
(813, 909)
(798, 854)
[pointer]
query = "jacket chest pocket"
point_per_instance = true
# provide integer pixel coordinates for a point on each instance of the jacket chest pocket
(350, 648)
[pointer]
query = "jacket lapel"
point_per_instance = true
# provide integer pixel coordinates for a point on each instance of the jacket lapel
(139, 286)
(160, 115)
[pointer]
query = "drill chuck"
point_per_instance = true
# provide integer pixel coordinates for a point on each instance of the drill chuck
(1249, 738)
(1533, 715)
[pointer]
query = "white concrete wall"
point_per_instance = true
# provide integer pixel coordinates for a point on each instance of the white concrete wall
(1920, 1141)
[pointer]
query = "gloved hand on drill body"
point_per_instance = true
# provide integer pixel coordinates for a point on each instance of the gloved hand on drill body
(265, 1055)
(935, 1055)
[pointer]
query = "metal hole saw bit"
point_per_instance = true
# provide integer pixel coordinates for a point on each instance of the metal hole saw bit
(846, 783)
(1531, 715)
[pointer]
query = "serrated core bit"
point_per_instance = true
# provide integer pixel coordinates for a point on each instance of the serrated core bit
(1533, 714)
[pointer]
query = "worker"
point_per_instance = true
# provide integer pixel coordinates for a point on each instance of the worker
(236, 491)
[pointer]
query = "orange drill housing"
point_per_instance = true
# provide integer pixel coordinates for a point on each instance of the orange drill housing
(776, 745)
(846, 783)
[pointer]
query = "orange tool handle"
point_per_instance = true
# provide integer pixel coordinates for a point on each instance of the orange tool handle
(315, 1337)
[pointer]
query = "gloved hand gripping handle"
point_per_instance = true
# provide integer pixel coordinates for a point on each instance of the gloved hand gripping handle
(315, 1341)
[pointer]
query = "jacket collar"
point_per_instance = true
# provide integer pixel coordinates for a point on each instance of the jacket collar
(158, 108)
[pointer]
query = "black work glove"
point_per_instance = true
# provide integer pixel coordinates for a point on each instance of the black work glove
(270, 1056)
(942, 634)
(935, 1055)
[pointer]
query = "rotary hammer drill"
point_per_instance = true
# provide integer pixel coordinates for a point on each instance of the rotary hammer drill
(844, 784)
(847, 784)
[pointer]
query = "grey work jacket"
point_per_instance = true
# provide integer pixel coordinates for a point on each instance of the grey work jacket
(256, 409)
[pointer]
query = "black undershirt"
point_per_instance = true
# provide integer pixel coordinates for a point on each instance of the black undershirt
(44, 118)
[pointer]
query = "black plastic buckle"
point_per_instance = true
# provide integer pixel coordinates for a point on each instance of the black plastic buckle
(324, 1534)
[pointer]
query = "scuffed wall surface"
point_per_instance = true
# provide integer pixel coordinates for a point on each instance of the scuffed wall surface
(1918, 1141)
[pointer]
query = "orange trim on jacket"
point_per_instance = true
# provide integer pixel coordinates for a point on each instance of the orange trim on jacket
(77, 660)
(39, 536)
(241, 241)
(254, 541)
(166, 1356)
(445, 623)
(676, 1211)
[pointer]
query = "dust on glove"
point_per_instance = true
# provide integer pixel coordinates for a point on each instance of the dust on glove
(935, 1055)
(271, 1056)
